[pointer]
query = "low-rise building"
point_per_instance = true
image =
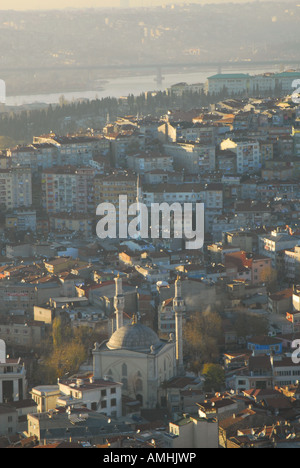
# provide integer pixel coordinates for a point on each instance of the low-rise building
(100, 395)
(13, 383)
(193, 432)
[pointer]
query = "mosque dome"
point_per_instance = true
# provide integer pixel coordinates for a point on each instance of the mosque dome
(134, 337)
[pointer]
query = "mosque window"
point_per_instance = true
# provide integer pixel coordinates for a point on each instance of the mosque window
(124, 369)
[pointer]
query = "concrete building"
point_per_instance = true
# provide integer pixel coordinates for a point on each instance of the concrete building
(240, 83)
(78, 425)
(74, 150)
(21, 332)
(230, 83)
(100, 395)
(21, 220)
(15, 188)
(278, 241)
(8, 420)
(248, 157)
(107, 189)
(68, 189)
(194, 158)
(292, 264)
(13, 383)
(193, 432)
(79, 224)
(146, 162)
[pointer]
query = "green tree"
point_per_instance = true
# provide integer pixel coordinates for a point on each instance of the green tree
(214, 377)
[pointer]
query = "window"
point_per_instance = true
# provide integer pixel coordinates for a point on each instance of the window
(124, 369)
(103, 404)
(113, 402)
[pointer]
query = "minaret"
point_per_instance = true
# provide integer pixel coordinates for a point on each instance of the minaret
(119, 302)
(138, 202)
(179, 308)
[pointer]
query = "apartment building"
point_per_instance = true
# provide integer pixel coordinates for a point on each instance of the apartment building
(292, 264)
(256, 269)
(36, 156)
(80, 224)
(296, 141)
(107, 189)
(21, 220)
(194, 158)
(143, 163)
(13, 383)
(271, 245)
(285, 371)
(68, 189)
(173, 132)
(77, 150)
(266, 151)
(173, 193)
(17, 296)
(248, 156)
(8, 420)
(22, 333)
(100, 395)
(210, 194)
(193, 432)
(15, 188)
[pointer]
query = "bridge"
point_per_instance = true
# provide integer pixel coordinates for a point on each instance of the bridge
(159, 67)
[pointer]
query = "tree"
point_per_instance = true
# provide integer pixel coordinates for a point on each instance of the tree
(202, 334)
(61, 333)
(214, 377)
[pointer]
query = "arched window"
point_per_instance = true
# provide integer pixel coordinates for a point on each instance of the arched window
(140, 398)
(124, 369)
(125, 384)
(139, 384)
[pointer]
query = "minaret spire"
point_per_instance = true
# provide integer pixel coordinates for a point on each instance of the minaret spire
(179, 308)
(119, 302)
(138, 202)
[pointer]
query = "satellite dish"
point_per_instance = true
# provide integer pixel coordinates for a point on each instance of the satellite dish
(2, 352)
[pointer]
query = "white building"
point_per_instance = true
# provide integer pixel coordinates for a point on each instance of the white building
(285, 371)
(275, 242)
(13, 383)
(233, 83)
(101, 395)
(193, 432)
(240, 83)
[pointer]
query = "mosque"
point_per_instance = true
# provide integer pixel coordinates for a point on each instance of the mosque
(135, 355)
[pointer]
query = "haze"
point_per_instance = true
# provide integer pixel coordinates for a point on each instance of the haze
(60, 4)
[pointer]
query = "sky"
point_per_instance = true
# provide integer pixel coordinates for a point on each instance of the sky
(55, 4)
